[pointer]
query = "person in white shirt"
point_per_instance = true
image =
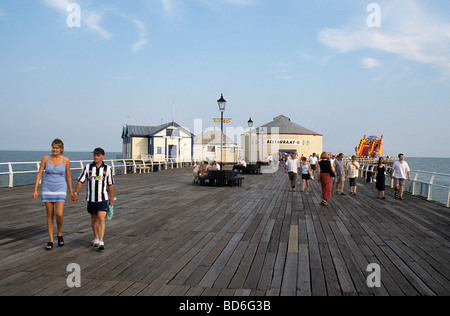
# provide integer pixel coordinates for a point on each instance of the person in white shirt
(196, 170)
(352, 174)
(215, 165)
(292, 165)
(312, 162)
(400, 172)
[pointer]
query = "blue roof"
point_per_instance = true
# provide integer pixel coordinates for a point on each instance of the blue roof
(148, 131)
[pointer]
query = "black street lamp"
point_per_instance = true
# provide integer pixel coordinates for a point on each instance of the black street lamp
(250, 124)
(222, 103)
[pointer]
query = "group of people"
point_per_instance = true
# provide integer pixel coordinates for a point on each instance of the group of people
(55, 174)
(338, 169)
(202, 169)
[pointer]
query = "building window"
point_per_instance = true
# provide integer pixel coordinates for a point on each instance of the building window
(173, 132)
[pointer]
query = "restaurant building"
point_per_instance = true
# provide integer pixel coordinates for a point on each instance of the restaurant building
(280, 136)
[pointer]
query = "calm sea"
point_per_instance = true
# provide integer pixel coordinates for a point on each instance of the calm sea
(36, 156)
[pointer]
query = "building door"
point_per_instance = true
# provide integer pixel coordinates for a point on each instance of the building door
(173, 153)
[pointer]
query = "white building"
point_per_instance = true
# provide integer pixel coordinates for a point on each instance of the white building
(166, 142)
(281, 136)
(207, 146)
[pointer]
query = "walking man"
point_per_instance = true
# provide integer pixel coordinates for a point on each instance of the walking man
(99, 181)
(312, 162)
(341, 173)
(401, 170)
(292, 165)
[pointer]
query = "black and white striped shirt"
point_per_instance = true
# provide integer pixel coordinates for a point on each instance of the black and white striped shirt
(99, 178)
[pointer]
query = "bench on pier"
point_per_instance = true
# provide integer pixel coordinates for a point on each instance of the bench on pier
(250, 168)
(220, 178)
(144, 169)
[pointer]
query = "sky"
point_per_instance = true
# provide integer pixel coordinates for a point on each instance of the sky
(80, 70)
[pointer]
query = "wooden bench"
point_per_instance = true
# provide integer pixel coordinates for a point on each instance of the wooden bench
(220, 178)
(143, 168)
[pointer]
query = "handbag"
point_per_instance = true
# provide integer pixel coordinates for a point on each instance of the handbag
(332, 173)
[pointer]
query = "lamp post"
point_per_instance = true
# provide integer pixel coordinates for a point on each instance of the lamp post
(250, 124)
(222, 103)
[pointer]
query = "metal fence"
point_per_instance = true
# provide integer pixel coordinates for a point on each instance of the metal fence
(24, 173)
(433, 186)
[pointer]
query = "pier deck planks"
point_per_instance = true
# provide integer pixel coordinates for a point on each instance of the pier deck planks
(171, 237)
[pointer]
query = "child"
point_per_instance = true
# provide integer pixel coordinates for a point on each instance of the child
(100, 181)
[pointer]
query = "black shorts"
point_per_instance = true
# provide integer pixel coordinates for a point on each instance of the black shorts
(306, 176)
(313, 167)
(94, 207)
(292, 175)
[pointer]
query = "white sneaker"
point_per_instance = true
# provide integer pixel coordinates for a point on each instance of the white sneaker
(101, 245)
(95, 242)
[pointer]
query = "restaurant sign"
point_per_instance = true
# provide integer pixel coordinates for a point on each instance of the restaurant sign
(297, 142)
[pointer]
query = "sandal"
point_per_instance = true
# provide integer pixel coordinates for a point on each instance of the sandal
(60, 241)
(49, 246)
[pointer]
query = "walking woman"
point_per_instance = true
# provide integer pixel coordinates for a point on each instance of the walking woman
(54, 188)
(325, 172)
(380, 171)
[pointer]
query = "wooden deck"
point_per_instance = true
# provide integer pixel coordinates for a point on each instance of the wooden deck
(171, 237)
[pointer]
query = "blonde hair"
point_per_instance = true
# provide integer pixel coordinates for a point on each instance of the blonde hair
(59, 143)
(324, 155)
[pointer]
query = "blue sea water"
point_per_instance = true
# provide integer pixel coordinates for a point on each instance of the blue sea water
(29, 160)
(36, 156)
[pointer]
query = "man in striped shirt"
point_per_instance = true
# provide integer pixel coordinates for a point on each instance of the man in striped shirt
(99, 181)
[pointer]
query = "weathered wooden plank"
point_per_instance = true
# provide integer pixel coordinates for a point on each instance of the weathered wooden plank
(171, 237)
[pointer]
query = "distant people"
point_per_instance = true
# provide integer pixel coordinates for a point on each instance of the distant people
(196, 170)
(401, 172)
(54, 189)
(313, 162)
(325, 172)
(100, 194)
(341, 173)
(380, 176)
(292, 165)
(352, 174)
(333, 158)
(215, 165)
(306, 173)
(205, 168)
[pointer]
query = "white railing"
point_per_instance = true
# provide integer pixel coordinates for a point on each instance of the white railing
(119, 166)
(433, 186)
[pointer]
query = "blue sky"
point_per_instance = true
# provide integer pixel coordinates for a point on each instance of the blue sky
(139, 61)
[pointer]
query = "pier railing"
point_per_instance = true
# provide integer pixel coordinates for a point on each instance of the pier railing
(24, 173)
(433, 186)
